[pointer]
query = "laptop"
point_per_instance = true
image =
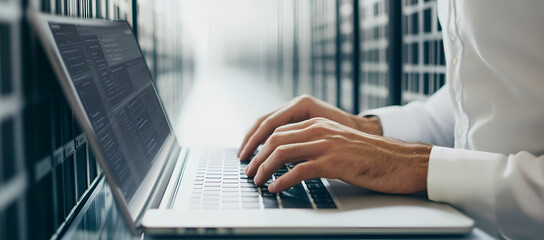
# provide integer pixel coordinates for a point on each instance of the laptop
(163, 188)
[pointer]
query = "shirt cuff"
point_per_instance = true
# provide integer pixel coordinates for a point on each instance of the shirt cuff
(464, 178)
(394, 121)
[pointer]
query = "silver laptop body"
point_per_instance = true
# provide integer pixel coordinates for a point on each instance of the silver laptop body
(164, 189)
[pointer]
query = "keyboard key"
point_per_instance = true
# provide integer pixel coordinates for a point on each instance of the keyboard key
(270, 202)
(320, 195)
(214, 192)
(315, 186)
(250, 198)
(249, 194)
(230, 189)
(230, 201)
(295, 197)
(213, 177)
(245, 189)
(268, 194)
(318, 191)
(325, 205)
(210, 201)
(249, 180)
(322, 199)
(210, 206)
(230, 181)
(230, 194)
(197, 190)
(313, 180)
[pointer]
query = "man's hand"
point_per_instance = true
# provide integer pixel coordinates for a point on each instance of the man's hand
(300, 109)
(332, 150)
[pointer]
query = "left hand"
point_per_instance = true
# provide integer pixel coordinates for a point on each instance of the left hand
(332, 150)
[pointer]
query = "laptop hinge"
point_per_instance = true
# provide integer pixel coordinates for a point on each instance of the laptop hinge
(164, 178)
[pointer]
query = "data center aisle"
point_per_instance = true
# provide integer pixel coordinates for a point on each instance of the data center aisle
(223, 105)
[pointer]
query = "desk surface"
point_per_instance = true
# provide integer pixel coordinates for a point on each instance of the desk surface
(217, 113)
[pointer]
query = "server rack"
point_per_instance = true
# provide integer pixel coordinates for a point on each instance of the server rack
(364, 54)
(424, 65)
(303, 43)
(13, 174)
(379, 52)
(47, 169)
(347, 59)
(287, 53)
(324, 40)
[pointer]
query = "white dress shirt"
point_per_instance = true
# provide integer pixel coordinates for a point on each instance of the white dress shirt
(487, 122)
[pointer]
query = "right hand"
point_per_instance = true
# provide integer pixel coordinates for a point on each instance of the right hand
(299, 109)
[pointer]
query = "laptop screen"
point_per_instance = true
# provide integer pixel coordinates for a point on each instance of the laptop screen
(110, 76)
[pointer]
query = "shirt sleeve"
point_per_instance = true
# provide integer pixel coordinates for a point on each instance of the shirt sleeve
(504, 194)
(431, 121)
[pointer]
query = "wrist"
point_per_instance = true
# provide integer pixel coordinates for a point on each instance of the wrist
(369, 124)
(418, 159)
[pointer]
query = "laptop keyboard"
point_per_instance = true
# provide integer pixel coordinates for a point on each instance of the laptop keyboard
(221, 183)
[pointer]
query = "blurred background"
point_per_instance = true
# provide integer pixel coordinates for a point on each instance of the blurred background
(356, 55)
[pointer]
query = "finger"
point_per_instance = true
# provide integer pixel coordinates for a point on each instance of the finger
(286, 154)
(264, 129)
(299, 173)
(301, 125)
(253, 129)
(296, 110)
(276, 140)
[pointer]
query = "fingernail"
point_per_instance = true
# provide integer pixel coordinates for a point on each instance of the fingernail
(246, 170)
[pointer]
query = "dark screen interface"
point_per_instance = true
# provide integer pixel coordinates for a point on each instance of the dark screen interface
(114, 85)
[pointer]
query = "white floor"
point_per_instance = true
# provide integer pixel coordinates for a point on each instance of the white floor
(222, 106)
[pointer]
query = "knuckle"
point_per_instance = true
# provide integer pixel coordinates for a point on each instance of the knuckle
(320, 127)
(279, 181)
(262, 168)
(265, 122)
(335, 138)
(300, 170)
(318, 119)
(326, 143)
(273, 139)
(279, 129)
(281, 151)
(305, 98)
